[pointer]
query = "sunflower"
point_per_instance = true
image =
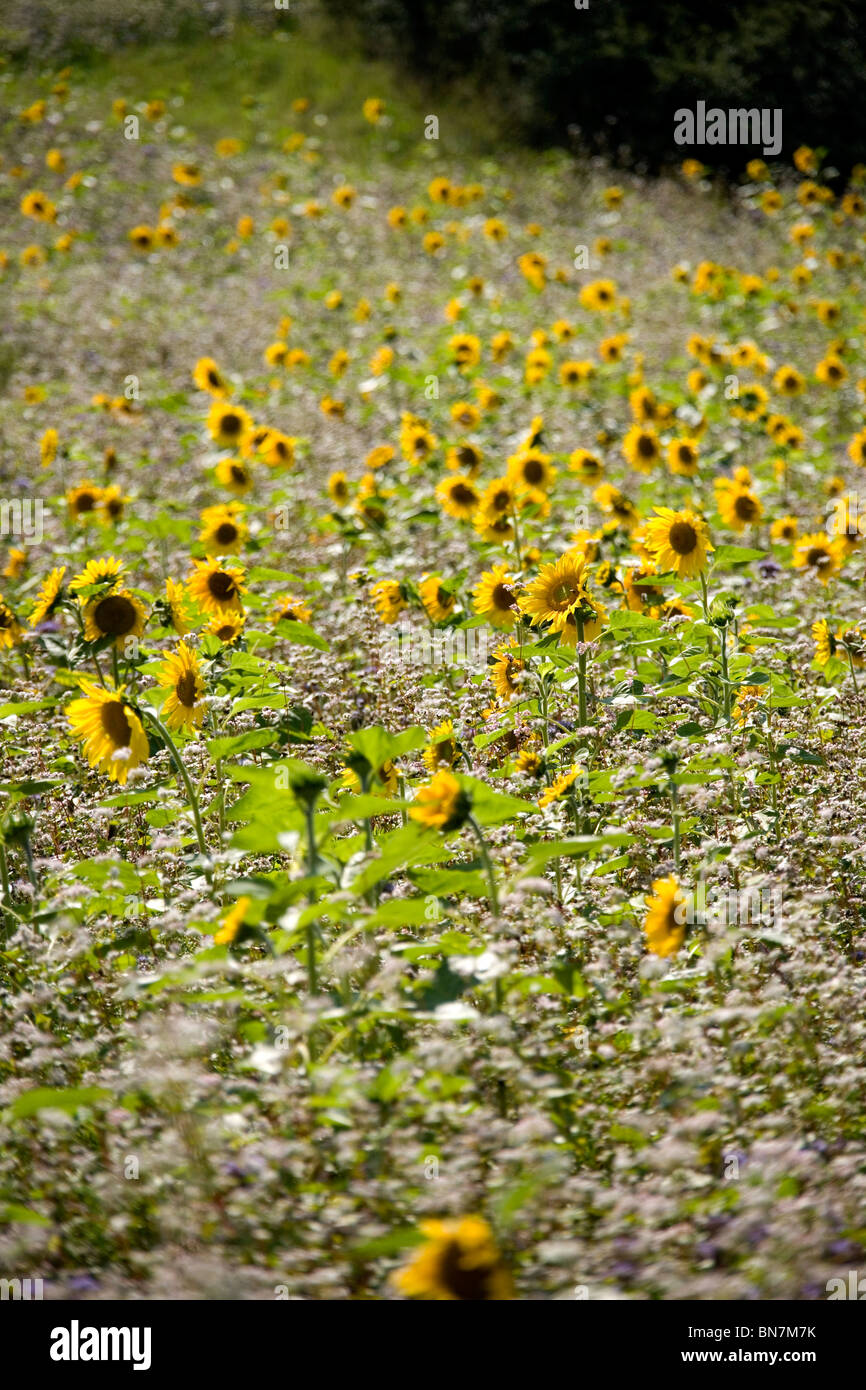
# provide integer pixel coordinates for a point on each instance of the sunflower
(599, 296)
(389, 600)
(819, 554)
(387, 776)
(83, 500)
(617, 505)
(826, 643)
(227, 627)
(117, 614)
(49, 596)
(738, 506)
(530, 763)
(175, 607)
(109, 730)
(641, 448)
(184, 706)
(683, 457)
(223, 531)
(228, 425)
(784, 530)
(458, 1263)
(507, 671)
(751, 403)
(291, 610)
(106, 571)
(111, 505)
(141, 237)
(531, 469)
(443, 750)
(857, 449)
(208, 377)
(745, 702)
(664, 923)
(17, 561)
(10, 629)
(216, 587)
(678, 541)
(278, 449)
(591, 614)
(831, 370)
(458, 497)
(232, 923)
(235, 475)
(575, 373)
(464, 458)
(560, 787)
(441, 804)
(48, 447)
(788, 381)
(338, 488)
(437, 600)
(465, 349)
(558, 590)
(495, 597)
(416, 441)
(493, 526)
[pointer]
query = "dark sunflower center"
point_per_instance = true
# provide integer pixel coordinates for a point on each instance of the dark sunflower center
(468, 1285)
(503, 596)
(226, 533)
(686, 454)
(114, 615)
(463, 495)
(501, 501)
(817, 556)
(115, 724)
(238, 474)
(230, 424)
(5, 619)
(646, 446)
(533, 471)
(221, 586)
(683, 537)
(86, 502)
(466, 457)
(185, 690)
(745, 508)
(565, 594)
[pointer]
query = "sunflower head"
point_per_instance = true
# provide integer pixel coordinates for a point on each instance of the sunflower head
(665, 920)
(181, 673)
(458, 1262)
(110, 732)
(217, 587)
(442, 804)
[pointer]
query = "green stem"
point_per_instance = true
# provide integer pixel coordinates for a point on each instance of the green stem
(726, 685)
(4, 875)
(182, 773)
(675, 815)
(312, 867)
(485, 859)
(581, 676)
(853, 675)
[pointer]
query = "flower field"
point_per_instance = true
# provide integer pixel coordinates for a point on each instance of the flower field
(433, 658)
